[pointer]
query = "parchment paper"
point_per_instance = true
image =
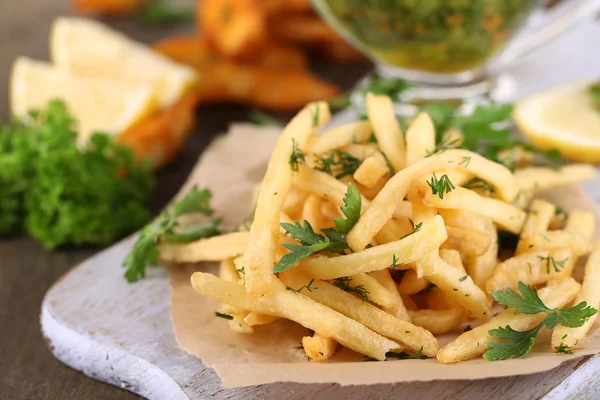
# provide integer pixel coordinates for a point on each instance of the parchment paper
(231, 167)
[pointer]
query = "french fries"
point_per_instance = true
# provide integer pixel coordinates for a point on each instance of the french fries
(537, 178)
(259, 258)
(376, 259)
(475, 342)
(591, 295)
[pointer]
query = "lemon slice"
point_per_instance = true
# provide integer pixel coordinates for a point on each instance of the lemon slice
(563, 118)
(99, 104)
(86, 47)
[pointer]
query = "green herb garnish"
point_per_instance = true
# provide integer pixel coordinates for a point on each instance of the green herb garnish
(145, 250)
(307, 287)
(344, 284)
(415, 228)
(595, 92)
(62, 193)
(441, 186)
(405, 356)
(552, 262)
(338, 163)
(224, 316)
(161, 12)
(260, 118)
(563, 348)
(515, 344)
(297, 157)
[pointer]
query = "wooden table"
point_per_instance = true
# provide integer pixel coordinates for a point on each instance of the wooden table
(27, 369)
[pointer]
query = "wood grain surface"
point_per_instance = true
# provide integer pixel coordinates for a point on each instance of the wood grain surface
(27, 369)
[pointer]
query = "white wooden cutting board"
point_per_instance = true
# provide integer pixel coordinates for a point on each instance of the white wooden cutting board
(121, 334)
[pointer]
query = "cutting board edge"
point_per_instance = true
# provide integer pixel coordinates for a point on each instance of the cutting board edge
(105, 363)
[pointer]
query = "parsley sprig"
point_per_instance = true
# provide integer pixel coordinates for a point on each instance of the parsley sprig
(145, 249)
(334, 239)
(514, 344)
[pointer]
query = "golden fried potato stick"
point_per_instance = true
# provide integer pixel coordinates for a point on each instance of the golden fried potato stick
(311, 212)
(198, 53)
(538, 220)
(506, 215)
(370, 171)
(582, 223)
(378, 293)
(459, 287)
(160, 136)
(301, 309)
(340, 136)
(452, 257)
(319, 347)
(469, 242)
(386, 128)
(531, 268)
(394, 191)
(227, 272)
(431, 235)
(365, 313)
(263, 240)
(481, 268)
(107, 7)
(237, 28)
(411, 283)
(212, 249)
(436, 299)
(474, 342)
(397, 309)
(420, 139)
(261, 87)
(590, 293)
(555, 239)
(438, 321)
(256, 318)
(537, 178)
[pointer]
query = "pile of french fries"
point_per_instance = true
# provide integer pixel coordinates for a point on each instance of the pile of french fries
(251, 52)
(421, 282)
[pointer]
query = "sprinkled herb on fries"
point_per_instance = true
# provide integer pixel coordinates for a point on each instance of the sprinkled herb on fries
(378, 240)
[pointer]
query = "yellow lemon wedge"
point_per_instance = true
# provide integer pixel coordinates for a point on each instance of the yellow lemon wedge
(89, 48)
(99, 104)
(564, 118)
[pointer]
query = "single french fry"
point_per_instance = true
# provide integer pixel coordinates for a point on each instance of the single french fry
(378, 294)
(369, 192)
(504, 214)
(365, 313)
(537, 178)
(256, 318)
(555, 239)
(319, 347)
(411, 283)
(227, 271)
(581, 222)
(409, 303)
(452, 257)
(436, 299)
(463, 219)
(404, 209)
(212, 249)
(438, 321)
(263, 240)
(301, 309)
(238, 323)
(531, 268)
(538, 217)
(311, 212)
(474, 243)
(380, 111)
(392, 231)
(382, 207)
(475, 342)
(397, 309)
(459, 287)
(340, 136)
(407, 250)
(590, 293)
(428, 264)
(453, 138)
(294, 202)
(370, 171)
(481, 268)
(323, 185)
(420, 139)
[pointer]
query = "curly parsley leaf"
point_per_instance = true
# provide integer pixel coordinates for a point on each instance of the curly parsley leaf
(145, 252)
(63, 194)
(513, 344)
(350, 209)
